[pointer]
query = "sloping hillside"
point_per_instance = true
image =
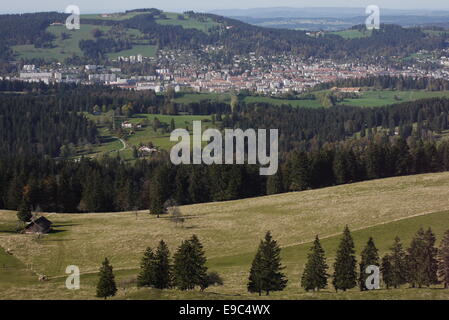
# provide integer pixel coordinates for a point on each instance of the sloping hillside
(230, 231)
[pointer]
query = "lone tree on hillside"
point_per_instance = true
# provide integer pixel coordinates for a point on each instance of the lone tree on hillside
(265, 274)
(443, 260)
(156, 199)
(173, 210)
(315, 272)
(106, 286)
(189, 268)
(24, 213)
(370, 257)
(345, 275)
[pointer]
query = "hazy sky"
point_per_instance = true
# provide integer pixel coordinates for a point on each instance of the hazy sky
(90, 6)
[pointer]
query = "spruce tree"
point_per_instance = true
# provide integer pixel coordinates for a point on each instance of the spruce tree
(345, 276)
(274, 184)
(386, 270)
(398, 264)
(162, 270)
(315, 271)
(106, 286)
(256, 273)
(199, 260)
(265, 273)
(147, 269)
(24, 213)
(431, 258)
(443, 260)
(156, 198)
(370, 256)
(189, 269)
(421, 259)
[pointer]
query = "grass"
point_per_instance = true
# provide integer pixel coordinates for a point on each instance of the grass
(63, 48)
(171, 19)
(386, 97)
(110, 143)
(353, 34)
(66, 48)
(369, 98)
(187, 23)
(230, 232)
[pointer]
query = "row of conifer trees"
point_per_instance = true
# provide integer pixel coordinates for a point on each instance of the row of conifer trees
(421, 264)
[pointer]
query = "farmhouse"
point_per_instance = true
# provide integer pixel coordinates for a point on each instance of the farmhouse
(127, 125)
(40, 225)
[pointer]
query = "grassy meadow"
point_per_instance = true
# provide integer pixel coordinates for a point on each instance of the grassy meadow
(369, 98)
(110, 144)
(230, 232)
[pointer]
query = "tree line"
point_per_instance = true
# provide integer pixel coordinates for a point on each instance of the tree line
(421, 264)
(111, 184)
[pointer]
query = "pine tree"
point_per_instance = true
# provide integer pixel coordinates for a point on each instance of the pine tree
(422, 264)
(386, 270)
(315, 271)
(189, 269)
(147, 270)
(443, 260)
(156, 198)
(398, 264)
(416, 260)
(345, 275)
(24, 213)
(370, 256)
(106, 285)
(162, 275)
(199, 260)
(431, 258)
(274, 184)
(265, 273)
(255, 274)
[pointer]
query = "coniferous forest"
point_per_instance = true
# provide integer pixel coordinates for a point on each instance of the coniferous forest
(316, 147)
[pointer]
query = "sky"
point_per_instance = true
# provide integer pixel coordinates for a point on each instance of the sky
(97, 6)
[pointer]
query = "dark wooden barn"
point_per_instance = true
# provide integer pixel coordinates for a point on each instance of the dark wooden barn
(40, 225)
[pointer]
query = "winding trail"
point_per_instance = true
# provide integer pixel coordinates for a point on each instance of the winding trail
(123, 142)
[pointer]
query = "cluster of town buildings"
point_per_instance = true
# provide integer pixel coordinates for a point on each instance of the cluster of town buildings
(182, 70)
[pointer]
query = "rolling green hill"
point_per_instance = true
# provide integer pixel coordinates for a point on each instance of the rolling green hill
(66, 43)
(230, 232)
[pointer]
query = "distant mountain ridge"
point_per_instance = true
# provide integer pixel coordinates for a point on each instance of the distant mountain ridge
(320, 12)
(332, 19)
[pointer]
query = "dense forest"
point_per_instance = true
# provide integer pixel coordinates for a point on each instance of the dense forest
(110, 184)
(319, 147)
